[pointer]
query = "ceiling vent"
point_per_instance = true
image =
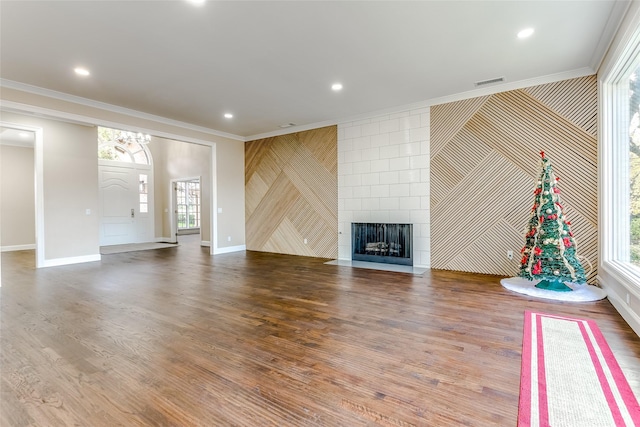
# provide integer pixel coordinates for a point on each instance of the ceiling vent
(287, 125)
(489, 82)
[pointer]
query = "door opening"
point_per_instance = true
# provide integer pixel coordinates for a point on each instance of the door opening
(126, 188)
(186, 208)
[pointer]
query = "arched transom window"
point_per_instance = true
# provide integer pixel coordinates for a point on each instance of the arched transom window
(123, 146)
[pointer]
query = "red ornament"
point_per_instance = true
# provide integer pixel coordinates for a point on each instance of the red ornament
(541, 219)
(524, 260)
(537, 251)
(542, 154)
(538, 191)
(556, 190)
(567, 242)
(537, 269)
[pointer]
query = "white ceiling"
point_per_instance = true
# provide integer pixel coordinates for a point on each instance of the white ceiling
(273, 62)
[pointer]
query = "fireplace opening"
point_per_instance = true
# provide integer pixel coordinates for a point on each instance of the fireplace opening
(379, 242)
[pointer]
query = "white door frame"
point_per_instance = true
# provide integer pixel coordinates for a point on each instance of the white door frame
(38, 183)
(173, 204)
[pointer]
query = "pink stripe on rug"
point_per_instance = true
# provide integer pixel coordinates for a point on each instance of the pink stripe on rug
(570, 376)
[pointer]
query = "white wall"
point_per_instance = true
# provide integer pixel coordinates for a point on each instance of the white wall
(230, 191)
(70, 177)
(383, 176)
(17, 198)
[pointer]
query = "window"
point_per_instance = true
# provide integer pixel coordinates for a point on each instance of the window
(620, 156)
(119, 145)
(144, 193)
(188, 204)
(634, 167)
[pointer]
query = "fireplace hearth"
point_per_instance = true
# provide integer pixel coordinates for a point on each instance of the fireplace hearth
(381, 242)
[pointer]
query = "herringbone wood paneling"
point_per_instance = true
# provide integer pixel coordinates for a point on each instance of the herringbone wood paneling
(291, 193)
(484, 164)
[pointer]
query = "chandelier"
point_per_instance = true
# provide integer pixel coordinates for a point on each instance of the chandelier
(132, 137)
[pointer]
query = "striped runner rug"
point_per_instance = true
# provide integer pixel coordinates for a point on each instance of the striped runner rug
(570, 377)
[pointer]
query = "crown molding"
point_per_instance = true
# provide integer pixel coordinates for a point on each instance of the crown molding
(36, 90)
(612, 27)
(490, 90)
(520, 84)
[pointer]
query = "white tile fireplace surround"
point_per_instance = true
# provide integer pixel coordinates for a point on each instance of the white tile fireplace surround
(383, 176)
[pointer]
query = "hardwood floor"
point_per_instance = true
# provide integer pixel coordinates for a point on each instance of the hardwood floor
(177, 337)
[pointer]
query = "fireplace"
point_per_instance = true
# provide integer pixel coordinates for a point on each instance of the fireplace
(378, 242)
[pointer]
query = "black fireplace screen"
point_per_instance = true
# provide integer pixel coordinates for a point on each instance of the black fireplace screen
(376, 242)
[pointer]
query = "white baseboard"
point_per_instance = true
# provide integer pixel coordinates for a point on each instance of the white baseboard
(72, 260)
(205, 243)
(630, 316)
(229, 249)
(163, 240)
(17, 248)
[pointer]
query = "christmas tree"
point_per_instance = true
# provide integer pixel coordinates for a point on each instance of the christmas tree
(549, 254)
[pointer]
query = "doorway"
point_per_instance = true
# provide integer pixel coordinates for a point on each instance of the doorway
(186, 207)
(126, 188)
(22, 198)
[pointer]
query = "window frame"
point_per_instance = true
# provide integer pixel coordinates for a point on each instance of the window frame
(614, 166)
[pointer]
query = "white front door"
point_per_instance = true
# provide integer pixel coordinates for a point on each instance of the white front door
(125, 205)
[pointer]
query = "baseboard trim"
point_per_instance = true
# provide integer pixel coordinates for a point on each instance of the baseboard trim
(623, 308)
(163, 240)
(18, 248)
(71, 260)
(230, 249)
(205, 243)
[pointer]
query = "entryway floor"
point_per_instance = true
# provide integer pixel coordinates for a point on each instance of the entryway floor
(131, 247)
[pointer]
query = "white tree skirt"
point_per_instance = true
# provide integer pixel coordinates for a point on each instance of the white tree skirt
(580, 292)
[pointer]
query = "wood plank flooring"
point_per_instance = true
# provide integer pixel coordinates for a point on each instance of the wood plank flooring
(175, 337)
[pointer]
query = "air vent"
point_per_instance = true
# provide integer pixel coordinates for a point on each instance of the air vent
(287, 125)
(489, 82)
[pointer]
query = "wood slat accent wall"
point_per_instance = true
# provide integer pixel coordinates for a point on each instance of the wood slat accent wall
(291, 191)
(484, 164)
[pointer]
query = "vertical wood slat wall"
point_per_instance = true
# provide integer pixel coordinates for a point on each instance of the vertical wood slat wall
(291, 193)
(484, 164)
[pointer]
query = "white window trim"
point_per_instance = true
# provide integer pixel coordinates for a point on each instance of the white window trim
(613, 168)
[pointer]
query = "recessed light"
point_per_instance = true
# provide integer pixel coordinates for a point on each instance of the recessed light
(24, 135)
(197, 2)
(228, 116)
(525, 33)
(81, 71)
(336, 86)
